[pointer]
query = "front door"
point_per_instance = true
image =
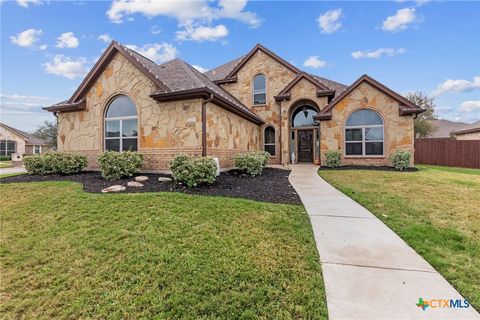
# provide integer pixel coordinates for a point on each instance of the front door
(305, 145)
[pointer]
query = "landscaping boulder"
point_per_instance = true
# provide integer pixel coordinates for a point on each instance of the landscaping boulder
(115, 188)
(141, 178)
(134, 184)
(164, 179)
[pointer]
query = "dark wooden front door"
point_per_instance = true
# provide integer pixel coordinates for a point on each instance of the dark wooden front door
(305, 145)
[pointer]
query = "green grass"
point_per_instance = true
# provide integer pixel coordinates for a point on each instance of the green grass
(5, 164)
(70, 254)
(435, 210)
(6, 175)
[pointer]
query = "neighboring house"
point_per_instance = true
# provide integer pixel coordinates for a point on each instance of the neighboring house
(444, 128)
(469, 132)
(256, 102)
(17, 141)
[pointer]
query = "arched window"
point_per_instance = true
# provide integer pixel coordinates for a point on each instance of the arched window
(121, 125)
(7, 147)
(259, 90)
(364, 134)
(269, 140)
(303, 117)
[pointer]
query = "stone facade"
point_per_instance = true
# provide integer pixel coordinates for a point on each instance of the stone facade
(398, 131)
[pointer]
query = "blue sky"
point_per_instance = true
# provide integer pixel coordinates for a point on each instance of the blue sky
(430, 46)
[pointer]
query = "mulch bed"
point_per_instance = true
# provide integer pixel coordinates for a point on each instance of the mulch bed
(271, 186)
(378, 168)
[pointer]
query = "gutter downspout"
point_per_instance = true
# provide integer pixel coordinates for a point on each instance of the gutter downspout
(204, 124)
(280, 135)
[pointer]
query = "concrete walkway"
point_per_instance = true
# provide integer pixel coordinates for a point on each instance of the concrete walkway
(12, 170)
(369, 271)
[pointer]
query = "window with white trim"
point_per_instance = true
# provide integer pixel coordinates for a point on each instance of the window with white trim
(364, 134)
(121, 132)
(259, 90)
(37, 149)
(269, 140)
(7, 147)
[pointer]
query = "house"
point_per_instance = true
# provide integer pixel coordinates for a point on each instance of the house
(469, 132)
(255, 102)
(17, 141)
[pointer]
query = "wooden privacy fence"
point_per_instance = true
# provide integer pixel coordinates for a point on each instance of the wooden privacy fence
(448, 152)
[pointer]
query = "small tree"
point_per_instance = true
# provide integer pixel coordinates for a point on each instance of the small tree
(48, 133)
(423, 126)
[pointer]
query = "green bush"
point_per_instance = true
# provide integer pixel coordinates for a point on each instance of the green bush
(193, 171)
(55, 163)
(115, 165)
(401, 160)
(333, 159)
(5, 158)
(252, 163)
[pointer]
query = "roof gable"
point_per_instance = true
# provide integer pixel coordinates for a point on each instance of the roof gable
(322, 89)
(406, 106)
(29, 138)
(145, 65)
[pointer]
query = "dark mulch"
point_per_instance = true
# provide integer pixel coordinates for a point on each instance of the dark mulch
(378, 168)
(271, 186)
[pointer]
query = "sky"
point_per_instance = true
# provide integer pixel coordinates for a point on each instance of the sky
(47, 47)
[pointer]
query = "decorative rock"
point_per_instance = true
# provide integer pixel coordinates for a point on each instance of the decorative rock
(134, 184)
(164, 179)
(115, 188)
(141, 178)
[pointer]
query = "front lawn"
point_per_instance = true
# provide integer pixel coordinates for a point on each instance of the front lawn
(70, 254)
(435, 210)
(6, 164)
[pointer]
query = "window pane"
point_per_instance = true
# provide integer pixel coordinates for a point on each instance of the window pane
(373, 134)
(354, 149)
(303, 117)
(270, 149)
(129, 144)
(112, 144)
(259, 98)
(374, 148)
(269, 135)
(112, 128)
(353, 134)
(129, 128)
(3, 145)
(364, 117)
(11, 145)
(259, 84)
(121, 106)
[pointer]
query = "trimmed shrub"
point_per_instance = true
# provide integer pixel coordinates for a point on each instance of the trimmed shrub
(333, 159)
(193, 171)
(55, 163)
(115, 165)
(252, 163)
(401, 160)
(5, 158)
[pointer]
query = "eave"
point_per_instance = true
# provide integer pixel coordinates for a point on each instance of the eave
(68, 107)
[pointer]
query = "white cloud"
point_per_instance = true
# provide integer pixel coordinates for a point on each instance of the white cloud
(186, 12)
(314, 62)
(455, 86)
(199, 68)
(158, 52)
(470, 106)
(202, 33)
(367, 54)
(26, 38)
(26, 3)
(67, 67)
(155, 30)
(67, 40)
(105, 38)
(400, 20)
(329, 21)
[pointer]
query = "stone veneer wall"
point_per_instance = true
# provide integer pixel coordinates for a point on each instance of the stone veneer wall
(468, 136)
(9, 135)
(277, 77)
(164, 128)
(398, 131)
(229, 134)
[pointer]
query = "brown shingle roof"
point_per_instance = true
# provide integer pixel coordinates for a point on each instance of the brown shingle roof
(445, 127)
(474, 127)
(29, 138)
(222, 71)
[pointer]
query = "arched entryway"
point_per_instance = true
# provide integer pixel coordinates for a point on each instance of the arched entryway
(304, 132)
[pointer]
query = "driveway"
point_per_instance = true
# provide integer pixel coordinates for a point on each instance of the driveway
(369, 271)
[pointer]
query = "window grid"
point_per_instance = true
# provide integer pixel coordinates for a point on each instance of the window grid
(364, 140)
(257, 92)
